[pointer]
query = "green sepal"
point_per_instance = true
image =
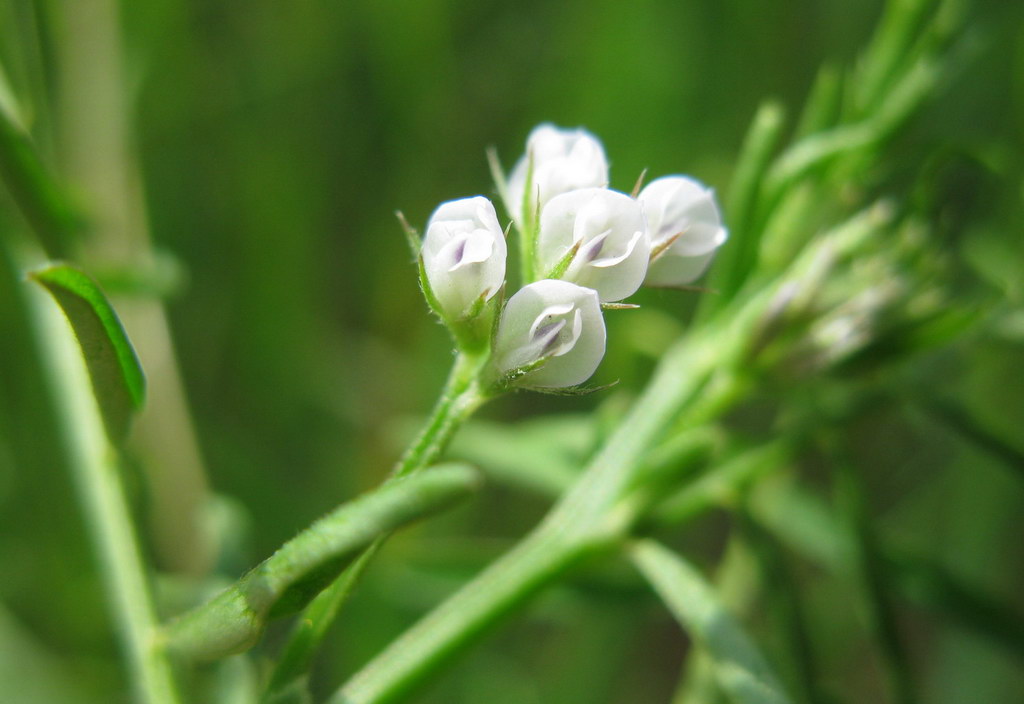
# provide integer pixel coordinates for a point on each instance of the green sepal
(638, 186)
(289, 579)
(660, 249)
(578, 390)
(412, 237)
(498, 174)
(118, 382)
(563, 264)
(508, 379)
(428, 292)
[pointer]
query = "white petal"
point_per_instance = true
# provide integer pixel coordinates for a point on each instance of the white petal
(474, 248)
(672, 270)
(556, 319)
(563, 160)
(680, 205)
(464, 254)
(614, 247)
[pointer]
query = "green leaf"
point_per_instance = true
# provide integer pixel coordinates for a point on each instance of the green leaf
(117, 379)
(739, 667)
(739, 257)
(39, 197)
(290, 578)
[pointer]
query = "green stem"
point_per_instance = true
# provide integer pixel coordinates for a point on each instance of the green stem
(461, 396)
(873, 577)
(738, 259)
(506, 584)
(94, 463)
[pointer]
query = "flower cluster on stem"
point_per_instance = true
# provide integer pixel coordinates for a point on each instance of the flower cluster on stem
(583, 246)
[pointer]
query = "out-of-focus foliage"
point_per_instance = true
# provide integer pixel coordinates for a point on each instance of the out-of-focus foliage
(271, 143)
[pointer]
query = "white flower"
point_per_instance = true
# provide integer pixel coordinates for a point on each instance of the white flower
(609, 229)
(563, 160)
(553, 320)
(679, 205)
(464, 254)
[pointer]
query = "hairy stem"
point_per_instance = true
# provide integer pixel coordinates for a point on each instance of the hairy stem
(506, 584)
(461, 396)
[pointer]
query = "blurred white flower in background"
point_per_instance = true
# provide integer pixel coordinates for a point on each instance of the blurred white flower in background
(563, 160)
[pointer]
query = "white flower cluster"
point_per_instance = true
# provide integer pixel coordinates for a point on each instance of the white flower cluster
(587, 244)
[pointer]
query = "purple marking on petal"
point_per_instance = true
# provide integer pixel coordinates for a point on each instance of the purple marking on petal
(592, 249)
(613, 260)
(547, 336)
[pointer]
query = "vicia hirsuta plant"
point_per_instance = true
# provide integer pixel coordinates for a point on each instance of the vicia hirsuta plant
(822, 275)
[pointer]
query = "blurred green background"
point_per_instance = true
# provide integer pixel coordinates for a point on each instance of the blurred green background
(269, 144)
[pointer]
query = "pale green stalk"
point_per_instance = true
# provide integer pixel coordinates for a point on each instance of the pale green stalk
(94, 463)
(99, 157)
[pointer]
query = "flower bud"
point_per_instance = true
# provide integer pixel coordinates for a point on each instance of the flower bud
(463, 255)
(608, 235)
(562, 160)
(556, 324)
(682, 208)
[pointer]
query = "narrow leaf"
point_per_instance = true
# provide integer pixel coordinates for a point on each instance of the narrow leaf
(412, 238)
(117, 379)
(956, 417)
(738, 259)
(290, 578)
(739, 667)
(498, 174)
(31, 185)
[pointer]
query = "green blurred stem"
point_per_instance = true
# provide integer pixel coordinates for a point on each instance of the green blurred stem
(897, 32)
(506, 584)
(94, 463)
(873, 575)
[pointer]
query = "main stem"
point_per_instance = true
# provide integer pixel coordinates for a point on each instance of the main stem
(95, 466)
(532, 564)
